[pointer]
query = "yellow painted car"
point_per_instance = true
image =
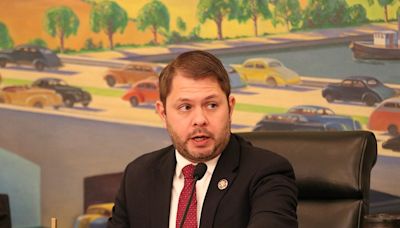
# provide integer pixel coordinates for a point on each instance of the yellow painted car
(267, 71)
(30, 96)
(96, 215)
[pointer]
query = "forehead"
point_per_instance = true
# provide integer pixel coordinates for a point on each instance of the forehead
(183, 86)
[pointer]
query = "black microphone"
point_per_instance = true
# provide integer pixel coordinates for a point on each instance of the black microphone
(198, 173)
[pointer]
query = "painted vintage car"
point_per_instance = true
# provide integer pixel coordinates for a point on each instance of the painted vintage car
(287, 122)
(320, 114)
(96, 215)
(392, 143)
(307, 118)
(30, 96)
(132, 73)
(145, 91)
(70, 94)
(267, 71)
(386, 117)
(235, 79)
(366, 89)
(33, 55)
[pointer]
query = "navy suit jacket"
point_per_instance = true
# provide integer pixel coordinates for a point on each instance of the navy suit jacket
(261, 190)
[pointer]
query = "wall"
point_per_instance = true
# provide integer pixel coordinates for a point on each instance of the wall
(20, 180)
(67, 149)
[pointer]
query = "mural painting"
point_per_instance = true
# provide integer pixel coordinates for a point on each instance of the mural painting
(79, 82)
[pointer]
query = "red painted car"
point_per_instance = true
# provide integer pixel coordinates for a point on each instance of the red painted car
(145, 91)
(386, 117)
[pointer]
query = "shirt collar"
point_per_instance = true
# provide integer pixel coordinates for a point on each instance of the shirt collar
(182, 162)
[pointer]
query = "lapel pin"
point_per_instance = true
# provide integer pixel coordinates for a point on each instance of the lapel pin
(222, 184)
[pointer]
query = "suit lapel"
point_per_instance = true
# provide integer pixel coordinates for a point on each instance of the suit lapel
(225, 169)
(163, 175)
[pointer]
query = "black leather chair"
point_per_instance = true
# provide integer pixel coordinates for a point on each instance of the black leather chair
(332, 173)
(5, 217)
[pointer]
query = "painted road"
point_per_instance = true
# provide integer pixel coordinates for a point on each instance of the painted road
(253, 102)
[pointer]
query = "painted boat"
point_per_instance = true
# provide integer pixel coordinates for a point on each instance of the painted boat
(367, 50)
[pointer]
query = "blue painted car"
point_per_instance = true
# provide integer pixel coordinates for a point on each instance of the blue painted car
(366, 89)
(307, 118)
(235, 79)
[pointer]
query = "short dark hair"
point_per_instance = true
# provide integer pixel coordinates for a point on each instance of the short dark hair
(197, 65)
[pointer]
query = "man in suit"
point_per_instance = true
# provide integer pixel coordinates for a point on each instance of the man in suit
(243, 186)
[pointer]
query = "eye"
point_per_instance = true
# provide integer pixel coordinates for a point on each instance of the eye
(212, 105)
(184, 107)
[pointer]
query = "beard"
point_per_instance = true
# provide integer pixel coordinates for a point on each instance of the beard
(206, 154)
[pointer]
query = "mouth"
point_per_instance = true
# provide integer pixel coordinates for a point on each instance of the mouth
(200, 138)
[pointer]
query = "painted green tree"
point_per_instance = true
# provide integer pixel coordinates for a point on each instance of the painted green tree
(5, 38)
(216, 10)
(252, 9)
(180, 24)
(384, 4)
(38, 42)
(398, 14)
(326, 13)
(358, 14)
(109, 17)
(286, 12)
(153, 15)
(61, 22)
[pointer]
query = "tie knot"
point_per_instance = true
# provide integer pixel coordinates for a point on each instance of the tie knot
(188, 171)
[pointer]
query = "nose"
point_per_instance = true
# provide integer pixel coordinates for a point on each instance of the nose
(199, 118)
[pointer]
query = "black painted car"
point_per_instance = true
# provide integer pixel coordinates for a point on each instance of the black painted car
(364, 89)
(392, 143)
(307, 118)
(70, 94)
(36, 56)
(293, 122)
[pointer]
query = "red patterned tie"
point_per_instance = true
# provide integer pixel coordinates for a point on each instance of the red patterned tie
(191, 217)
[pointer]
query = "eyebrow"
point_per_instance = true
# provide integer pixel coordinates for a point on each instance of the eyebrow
(206, 98)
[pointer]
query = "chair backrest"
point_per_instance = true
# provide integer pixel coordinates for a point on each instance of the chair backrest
(100, 188)
(332, 173)
(5, 216)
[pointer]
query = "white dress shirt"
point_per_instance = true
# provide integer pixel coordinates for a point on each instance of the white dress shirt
(178, 182)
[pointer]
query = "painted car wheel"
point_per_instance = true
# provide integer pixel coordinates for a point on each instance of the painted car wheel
(134, 101)
(110, 81)
(271, 82)
(39, 66)
(3, 63)
(329, 98)
(68, 102)
(393, 130)
(38, 104)
(370, 100)
(85, 104)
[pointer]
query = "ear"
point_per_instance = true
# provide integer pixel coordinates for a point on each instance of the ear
(231, 103)
(160, 110)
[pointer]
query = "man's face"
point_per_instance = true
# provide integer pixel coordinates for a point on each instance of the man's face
(197, 116)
